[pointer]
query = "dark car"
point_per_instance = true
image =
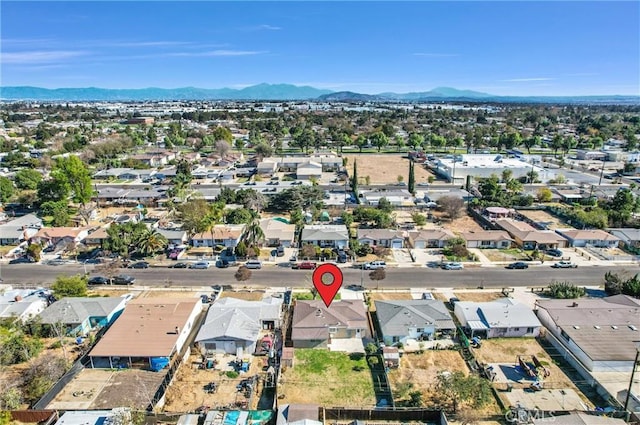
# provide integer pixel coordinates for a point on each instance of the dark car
(222, 264)
(22, 260)
(342, 257)
(98, 280)
(453, 300)
(179, 266)
(518, 265)
(124, 279)
(139, 265)
(554, 252)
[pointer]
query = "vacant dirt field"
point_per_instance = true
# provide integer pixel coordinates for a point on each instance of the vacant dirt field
(244, 295)
(543, 217)
(327, 378)
(507, 350)
(385, 296)
(462, 224)
(187, 392)
(385, 168)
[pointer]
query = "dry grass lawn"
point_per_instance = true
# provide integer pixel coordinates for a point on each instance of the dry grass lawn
(385, 168)
(478, 297)
(463, 224)
(386, 296)
(244, 295)
(327, 378)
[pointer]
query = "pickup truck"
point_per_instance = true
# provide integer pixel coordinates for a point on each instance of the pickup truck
(305, 265)
(564, 265)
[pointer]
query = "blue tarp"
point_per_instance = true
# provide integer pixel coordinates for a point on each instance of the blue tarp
(159, 363)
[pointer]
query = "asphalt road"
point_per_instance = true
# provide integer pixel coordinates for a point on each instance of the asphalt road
(274, 276)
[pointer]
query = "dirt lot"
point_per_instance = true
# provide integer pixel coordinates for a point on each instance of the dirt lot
(244, 295)
(385, 296)
(327, 378)
(187, 393)
(506, 350)
(503, 255)
(106, 389)
(385, 168)
(544, 217)
(462, 224)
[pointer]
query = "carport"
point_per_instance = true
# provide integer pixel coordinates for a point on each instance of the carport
(477, 328)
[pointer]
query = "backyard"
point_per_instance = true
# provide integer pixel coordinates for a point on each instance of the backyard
(327, 378)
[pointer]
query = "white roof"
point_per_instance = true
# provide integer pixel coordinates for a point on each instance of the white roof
(502, 313)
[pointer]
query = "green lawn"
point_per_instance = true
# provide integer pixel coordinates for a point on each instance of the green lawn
(328, 378)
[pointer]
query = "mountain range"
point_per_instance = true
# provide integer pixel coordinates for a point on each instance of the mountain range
(272, 92)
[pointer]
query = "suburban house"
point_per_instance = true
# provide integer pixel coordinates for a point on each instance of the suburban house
(316, 326)
(430, 238)
(326, 235)
(600, 332)
(308, 171)
(60, 235)
(96, 237)
(397, 198)
(267, 168)
(81, 315)
(232, 325)
(298, 414)
(20, 229)
(174, 237)
(629, 237)
(381, 237)
(496, 239)
(147, 334)
(497, 319)
(155, 159)
(495, 213)
(528, 237)
(22, 304)
(402, 320)
(589, 237)
(277, 233)
(227, 235)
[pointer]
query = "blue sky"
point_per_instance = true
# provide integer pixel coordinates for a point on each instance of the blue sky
(503, 48)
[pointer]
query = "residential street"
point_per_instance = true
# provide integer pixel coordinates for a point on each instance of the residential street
(273, 276)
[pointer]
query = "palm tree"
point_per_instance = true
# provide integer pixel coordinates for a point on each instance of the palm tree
(151, 241)
(253, 233)
(211, 219)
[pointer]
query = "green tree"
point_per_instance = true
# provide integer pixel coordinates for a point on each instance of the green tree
(192, 214)
(354, 179)
(7, 189)
(151, 241)
(361, 142)
(253, 233)
(69, 286)
(56, 188)
(384, 205)
(58, 211)
(379, 140)
(295, 217)
(33, 251)
(544, 194)
(18, 348)
(240, 216)
(222, 133)
(621, 207)
(263, 150)
(565, 290)
(415, 140)
(27, 179)
(78, 178)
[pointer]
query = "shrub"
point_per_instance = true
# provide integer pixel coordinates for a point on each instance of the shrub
(232, 374)
(565, 290)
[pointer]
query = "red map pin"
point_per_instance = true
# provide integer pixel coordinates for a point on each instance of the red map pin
(328, 290)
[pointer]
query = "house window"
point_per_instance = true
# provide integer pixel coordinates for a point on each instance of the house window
(333, 330)
(485, 243)
(396, 339)
(420, 330)
(516, 329)
(529, 330)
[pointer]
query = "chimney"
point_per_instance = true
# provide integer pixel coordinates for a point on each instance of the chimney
(177, 330)
(17, 298)
(575, 304)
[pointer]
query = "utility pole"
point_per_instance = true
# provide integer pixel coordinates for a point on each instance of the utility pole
(633, 373)
(601, 174)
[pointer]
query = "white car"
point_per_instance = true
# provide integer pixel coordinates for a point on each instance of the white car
(375, 265)
(564, 265)
(453, 266)
(253, 264)
(200, 265)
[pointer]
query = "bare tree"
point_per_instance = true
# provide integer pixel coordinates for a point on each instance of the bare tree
(109, 269)
(378, 275)
(222, 148)
(451, 205)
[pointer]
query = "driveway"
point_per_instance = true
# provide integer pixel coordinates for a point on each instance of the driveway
(402, 257)
(349, 345)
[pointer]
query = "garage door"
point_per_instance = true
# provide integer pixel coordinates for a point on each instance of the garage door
(397, 244)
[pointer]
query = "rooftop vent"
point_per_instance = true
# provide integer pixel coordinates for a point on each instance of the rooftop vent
(576, 327)
(597, 327)
(633, 328)
(614, 327)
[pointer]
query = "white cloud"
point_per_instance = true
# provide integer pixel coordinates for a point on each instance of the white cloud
(39, 56)
(147, 43)
(215, 53)
(526, 80)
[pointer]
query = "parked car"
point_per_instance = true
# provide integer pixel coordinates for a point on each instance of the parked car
(518, 265)
(200, 265)
(375, 265)
(453, 266)
(305, 265)
(179, 266)
(139, 265)
(564, 265)
(222, 264)
(280, 251)
(124, 279)
(22, 260)
(253, 264)
(554, 252)
(98, 280)
(57, 262)
(342, 257)
(356, 287)
(453, 300)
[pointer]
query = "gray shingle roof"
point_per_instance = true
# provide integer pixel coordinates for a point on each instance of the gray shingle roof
(502, 313)
(229, 323)
(325, 233)
(396, 317)
(311, 319)
(74, 310)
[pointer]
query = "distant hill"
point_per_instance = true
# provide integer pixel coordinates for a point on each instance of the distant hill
(257, 92)
(285, 92)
